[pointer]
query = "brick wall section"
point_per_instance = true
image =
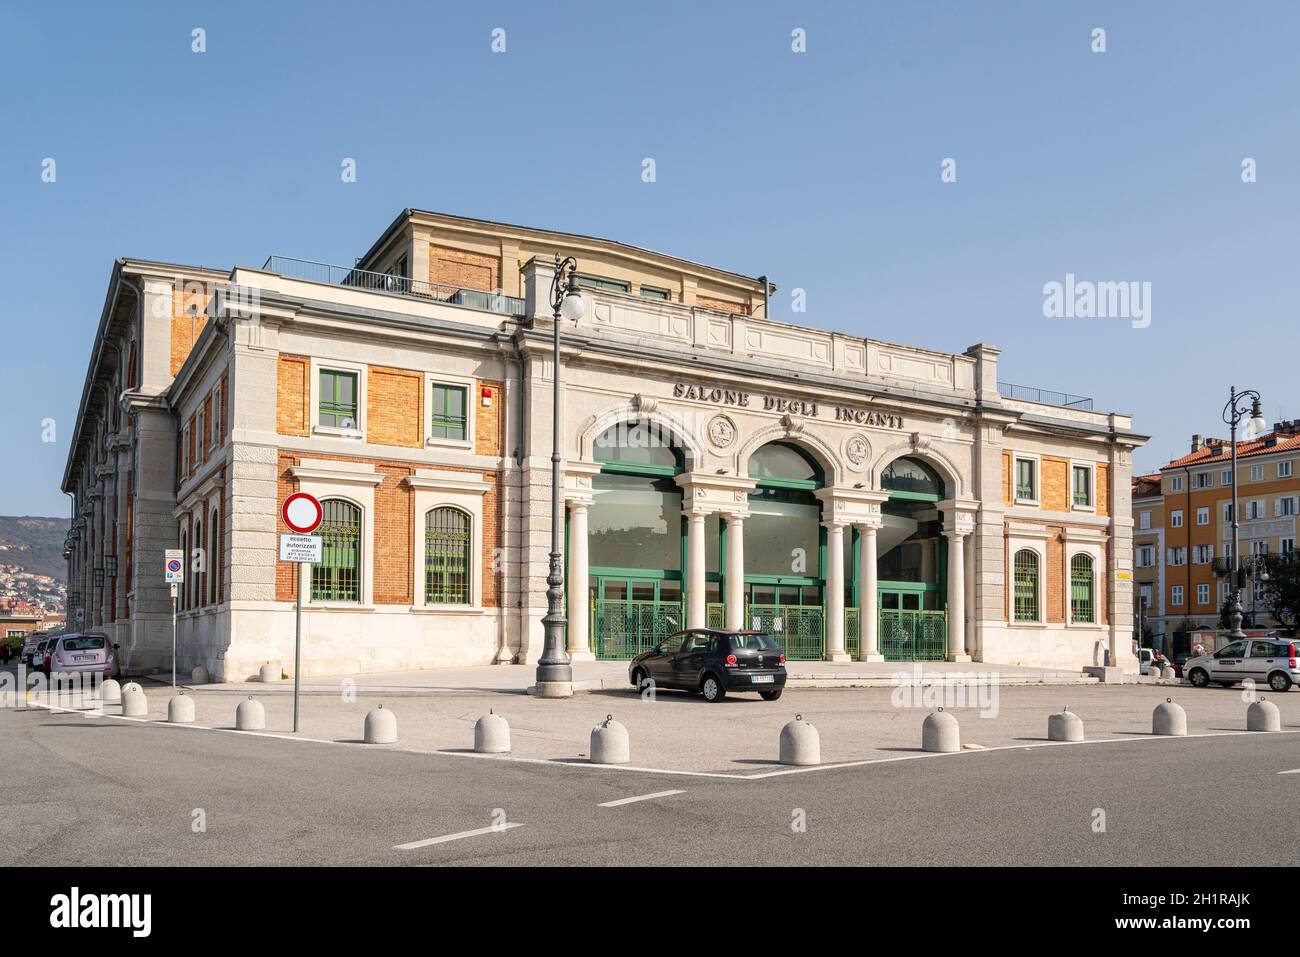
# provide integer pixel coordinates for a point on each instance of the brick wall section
(394, 530)
(1006, 478)
(189, 316)
(489, 424)
(1054, 491)
(1102, 492)
(456, 267)
(394, 407)
(292, 392)
(721, 305)
(224, 412)
(1054, 609)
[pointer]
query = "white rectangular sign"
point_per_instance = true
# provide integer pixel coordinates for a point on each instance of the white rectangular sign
(300, 548)
(174, 565)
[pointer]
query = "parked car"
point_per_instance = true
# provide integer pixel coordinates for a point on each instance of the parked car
(713, 662)
(29, 650)
(1179, 662)
(1148, 656)
(83, 653)
(38, 655)
(1271, 660)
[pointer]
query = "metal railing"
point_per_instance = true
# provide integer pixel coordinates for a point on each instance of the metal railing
(353, 278)
(1029, 394)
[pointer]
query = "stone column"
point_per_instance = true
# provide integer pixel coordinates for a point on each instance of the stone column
(869, 617)
(835, 592)
(957, 595)
(971, 601)
(696, 594)
(577, 611)
(735, 599)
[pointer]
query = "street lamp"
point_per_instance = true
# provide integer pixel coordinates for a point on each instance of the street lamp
(1233, 413)
(554, 673)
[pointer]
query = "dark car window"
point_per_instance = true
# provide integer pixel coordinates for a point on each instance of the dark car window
(1265, 649)
(671, 644)
(753, 643)
(697, 641)
(1234, 650)
(83, 643)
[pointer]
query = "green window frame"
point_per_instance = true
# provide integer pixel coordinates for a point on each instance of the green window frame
(337, 576)
(654, 292)
(1082, 590)
(1026, 479)
(600, 282)
(1082, 485)
(1026, 585)
(337, 399)
(447, 543)
(448, 418)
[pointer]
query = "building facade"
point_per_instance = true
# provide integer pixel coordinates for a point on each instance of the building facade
(860, 498)
(1148, 558)
(1185, 518)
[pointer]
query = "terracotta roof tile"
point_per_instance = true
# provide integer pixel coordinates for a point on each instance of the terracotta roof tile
(1259, 446)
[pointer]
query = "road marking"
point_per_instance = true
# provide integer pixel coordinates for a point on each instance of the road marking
(1292, 771)
(493, 829)
(643, 797)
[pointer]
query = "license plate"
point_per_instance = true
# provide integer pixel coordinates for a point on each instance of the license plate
(761, 679)
(81, 657)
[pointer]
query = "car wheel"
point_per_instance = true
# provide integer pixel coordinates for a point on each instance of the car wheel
(1198, 678)
(712, 688)
(771, 695)
(1279, 681)
(638, 676)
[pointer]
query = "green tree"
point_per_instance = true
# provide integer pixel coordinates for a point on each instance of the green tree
(1282, 590)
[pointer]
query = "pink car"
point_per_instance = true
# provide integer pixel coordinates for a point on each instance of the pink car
(73, 653)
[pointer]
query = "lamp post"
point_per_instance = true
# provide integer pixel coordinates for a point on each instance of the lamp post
(1233, 413)
(554, 673)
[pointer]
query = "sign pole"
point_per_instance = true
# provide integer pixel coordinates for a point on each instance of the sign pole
(297, 643)
(173, 636)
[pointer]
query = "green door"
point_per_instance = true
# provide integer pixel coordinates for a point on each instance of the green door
(912, 627)
(792, 613)
(631, 614)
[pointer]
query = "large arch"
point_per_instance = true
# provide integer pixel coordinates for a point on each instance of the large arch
(810, 442)
(639, 411)
(954, 481)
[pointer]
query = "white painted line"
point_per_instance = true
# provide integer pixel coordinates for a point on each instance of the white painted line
(429, 842)
(1292, 771)
(643, 797)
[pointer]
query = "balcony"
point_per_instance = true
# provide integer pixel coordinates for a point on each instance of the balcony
(1026, 393)
(312, 271)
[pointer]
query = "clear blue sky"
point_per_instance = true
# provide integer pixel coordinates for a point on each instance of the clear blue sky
(820, 169)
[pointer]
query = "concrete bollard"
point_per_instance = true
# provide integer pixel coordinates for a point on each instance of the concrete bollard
(130, 686)
(1167, 673)
(180, 709)
(492, 734)
(940, 733)
(268, 673)
(610, 743)
(111, 692)
(1169, 718)
(800, 743)
(250, 716)
(134, 703)
(1065, 725)
(380, 727)
(1263, 715)
(199, 675)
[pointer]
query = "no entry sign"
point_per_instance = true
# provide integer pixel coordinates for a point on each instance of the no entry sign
(302, 513)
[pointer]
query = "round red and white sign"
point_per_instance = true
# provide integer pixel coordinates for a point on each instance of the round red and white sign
(302, 513)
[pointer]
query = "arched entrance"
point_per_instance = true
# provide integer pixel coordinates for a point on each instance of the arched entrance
(912, 564)
(785, 550)
(635, 540)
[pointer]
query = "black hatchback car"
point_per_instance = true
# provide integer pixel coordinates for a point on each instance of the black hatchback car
(713, 662)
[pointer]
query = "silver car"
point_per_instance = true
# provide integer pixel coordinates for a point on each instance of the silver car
(1260, 660)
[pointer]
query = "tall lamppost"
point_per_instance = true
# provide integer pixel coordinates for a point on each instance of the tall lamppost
(1233, 413)
(554, 673)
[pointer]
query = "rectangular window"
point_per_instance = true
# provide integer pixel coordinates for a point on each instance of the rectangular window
(1284, 469)
(1026, 480)
(337, 577)
(652, 292)
(1254, 509)
(201, 434)
(600, 282)
(1175, 483)
(1259, 547)
(1203, 554)
(1176, 595)
(338, 399)
(1256, 473)
(447, 413)
(214, 427)
(1082, 486)
(1145, 556)
(1202, 594)
(1286, 506)
(1144, 593)
(1081, 589)
(1144, 519)
(1178, 555)
(1226, 478)
(1202, 480)
(1026, 585)
(1286, 545)
(1203, 515)
(1176, 518)
(446, 557)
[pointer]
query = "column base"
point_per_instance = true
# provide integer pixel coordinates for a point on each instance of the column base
(839, 657)
(554, 689)
(582, 656)
(959, 658)
(872, 658)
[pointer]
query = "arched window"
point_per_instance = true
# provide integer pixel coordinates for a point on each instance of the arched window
(909, 475)
(214, 558)
(782, 462)
(446, 557)
(1026, 585)
(1082, 606)
(337, 577)
(643, 447)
